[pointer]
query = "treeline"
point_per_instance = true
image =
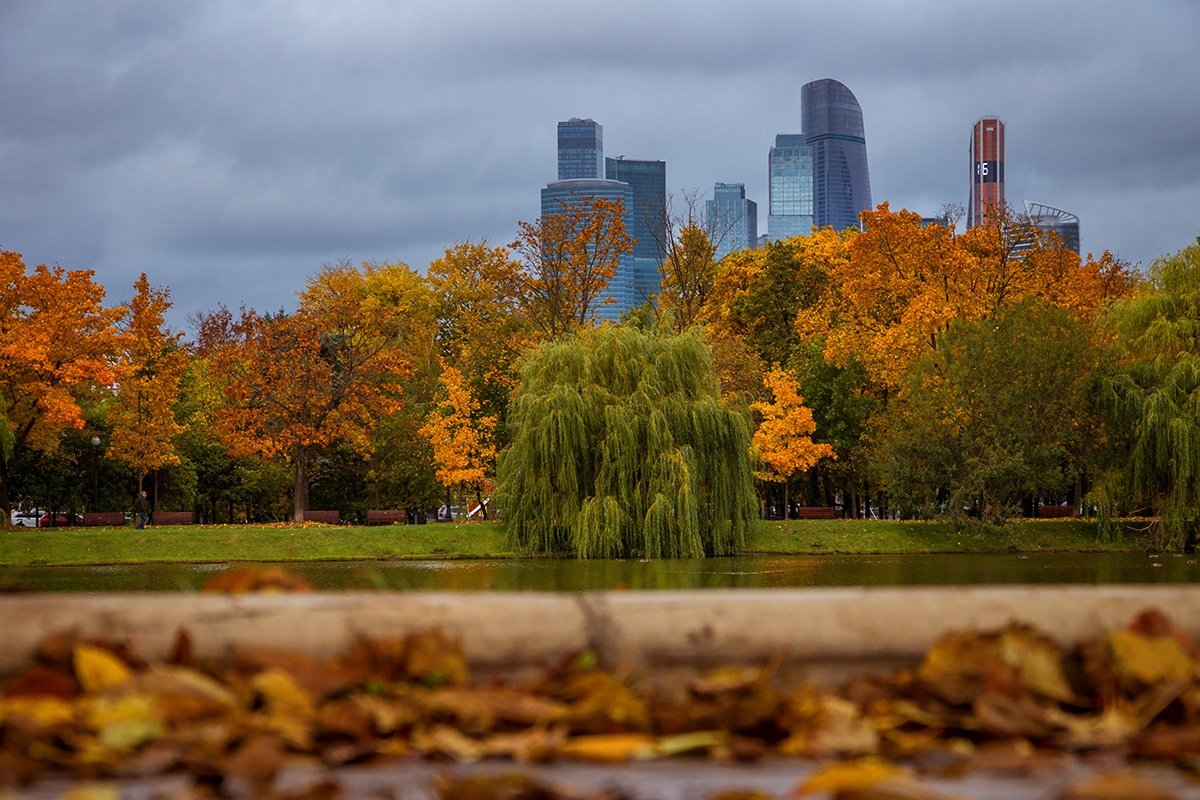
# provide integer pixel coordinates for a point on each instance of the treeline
(902, 369)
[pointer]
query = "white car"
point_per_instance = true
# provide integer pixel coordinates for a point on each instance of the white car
(25, 519)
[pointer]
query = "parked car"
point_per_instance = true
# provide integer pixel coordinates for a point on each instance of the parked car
(25, 519)
(61, 520)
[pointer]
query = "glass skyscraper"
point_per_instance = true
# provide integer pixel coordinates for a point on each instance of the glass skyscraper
(580, 149)
(645, 218)
(731, 219)
(832, 122)
(790, 187)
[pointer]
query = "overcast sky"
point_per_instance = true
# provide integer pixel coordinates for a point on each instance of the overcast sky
(229, 148)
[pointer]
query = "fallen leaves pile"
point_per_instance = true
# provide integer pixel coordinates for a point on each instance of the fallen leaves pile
(1005, 700)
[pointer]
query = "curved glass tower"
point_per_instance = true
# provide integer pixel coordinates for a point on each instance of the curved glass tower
(832, 122)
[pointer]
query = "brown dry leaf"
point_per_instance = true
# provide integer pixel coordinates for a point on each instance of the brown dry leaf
(1111, 728)
(1115, 786)
(1149, 659)
(434, 659)
(601, 703)
(728, 679)
(387, 715)
(1002, 715)
(478, 710)
(448, 741)
(320, 677)
(242, 580)
(529, 746)
(610, 748)
(98, 670)
(835, 727)
(1038, 661)
(511, 786)
(257, 760)
(959, 664)
(41, 681)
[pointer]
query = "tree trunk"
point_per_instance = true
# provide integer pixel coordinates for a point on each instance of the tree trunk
(786, 508)
(300, 490)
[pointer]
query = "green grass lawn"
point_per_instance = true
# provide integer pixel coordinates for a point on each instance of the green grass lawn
(312, 542)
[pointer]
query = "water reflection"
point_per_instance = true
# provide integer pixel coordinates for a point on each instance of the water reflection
(711, 573)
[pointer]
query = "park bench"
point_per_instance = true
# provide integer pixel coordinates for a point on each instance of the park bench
(171, 518)
(387, 516)
(103, 518)
(816, 512)
(330, 517)
(1055, 511)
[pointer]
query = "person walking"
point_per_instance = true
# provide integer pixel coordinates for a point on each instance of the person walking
(143, 509)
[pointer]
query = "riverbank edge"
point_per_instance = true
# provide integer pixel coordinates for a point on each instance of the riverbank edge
(314, 542)
(818, 635)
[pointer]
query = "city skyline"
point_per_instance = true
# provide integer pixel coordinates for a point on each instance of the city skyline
(229, 149)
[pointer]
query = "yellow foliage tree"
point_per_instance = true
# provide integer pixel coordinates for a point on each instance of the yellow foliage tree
(143, 421)
(783, 440)
(463, 448)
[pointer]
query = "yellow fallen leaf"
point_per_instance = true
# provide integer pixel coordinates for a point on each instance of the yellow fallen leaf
(609, 748)
(44, 712)
(98, 670)
(850, 776)
(122, 723)
(1149, 659)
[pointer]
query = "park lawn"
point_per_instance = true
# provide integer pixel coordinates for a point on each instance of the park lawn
(890, 536)
(315, 542)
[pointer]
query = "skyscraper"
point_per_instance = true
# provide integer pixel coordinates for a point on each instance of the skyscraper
(987, 169)
(1055, 220)
(790, 187)
(645, 218)
(580, 149)
(832, 122)
(731, 219)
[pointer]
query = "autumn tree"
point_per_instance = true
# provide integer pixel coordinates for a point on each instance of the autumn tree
(57, 341)
(689, 266)
(620, 448)
(482, 330)
(569, 258)
(463, 448)
(142, 416)
(323, 374)
(783, 439)
(997, 414)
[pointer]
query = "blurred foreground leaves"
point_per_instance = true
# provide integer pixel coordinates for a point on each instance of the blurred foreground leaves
(1008, 701)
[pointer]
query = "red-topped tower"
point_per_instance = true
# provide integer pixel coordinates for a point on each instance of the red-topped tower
(987, 169)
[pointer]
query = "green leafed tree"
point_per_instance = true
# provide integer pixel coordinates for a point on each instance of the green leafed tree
(1151, 397)
(619, 448)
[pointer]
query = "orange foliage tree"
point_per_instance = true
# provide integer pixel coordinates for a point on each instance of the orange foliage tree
(142, 416)
(783, 440)
(461, 437)
(322, 375)
(904, 283)
(569, 259)
(57, 340)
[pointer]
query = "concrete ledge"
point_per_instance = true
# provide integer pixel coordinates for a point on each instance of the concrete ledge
(824, 632)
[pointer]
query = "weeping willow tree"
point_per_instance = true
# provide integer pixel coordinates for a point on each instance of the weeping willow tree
(1152, 400)
(619, 448)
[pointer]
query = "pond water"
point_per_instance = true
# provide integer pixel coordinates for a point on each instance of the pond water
(570, 575)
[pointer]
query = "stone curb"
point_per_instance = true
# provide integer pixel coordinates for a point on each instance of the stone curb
(824, 632)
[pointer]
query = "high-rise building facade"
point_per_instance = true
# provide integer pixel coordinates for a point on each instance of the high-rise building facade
(790, 187)
(568, 192)
(1055, 220)
(987, 169)
(580, 149)
(645, 218)
(731, 219)
(832, 122)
